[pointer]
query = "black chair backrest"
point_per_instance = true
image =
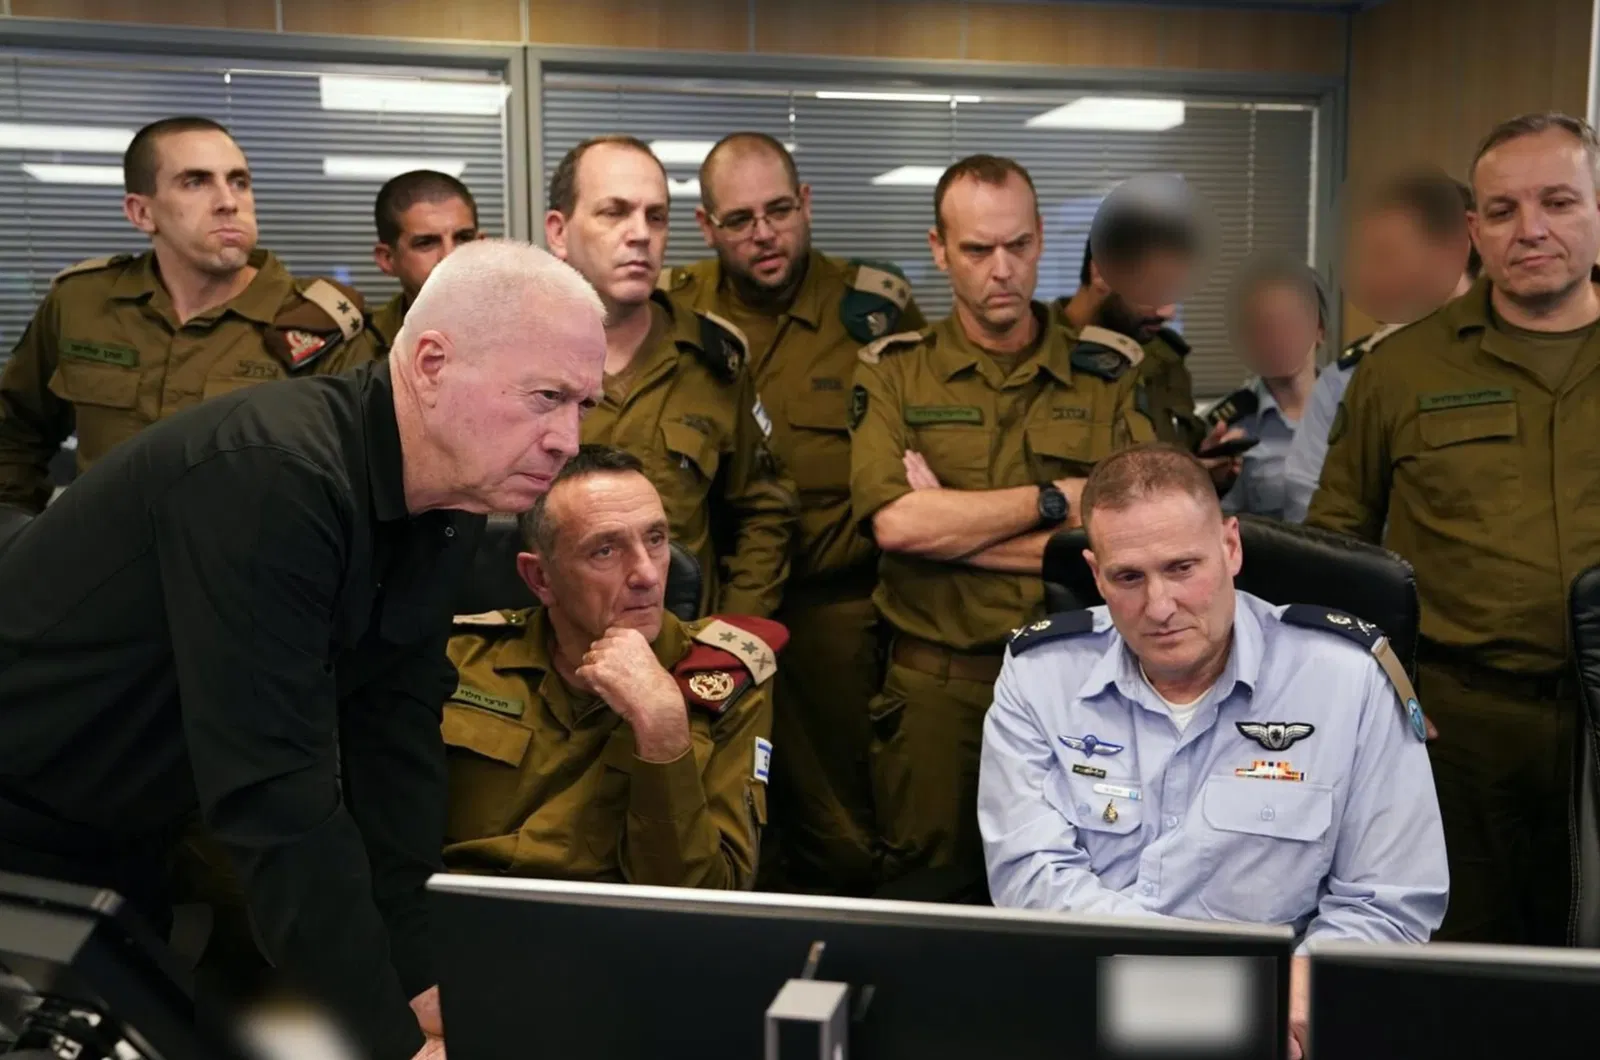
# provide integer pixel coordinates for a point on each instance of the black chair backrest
(1585, 608)
(493, 582)
(12, 520)
(1283, 564)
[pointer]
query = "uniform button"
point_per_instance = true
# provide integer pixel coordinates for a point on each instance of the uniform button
(449, 531)
(1149, 888)
(1171, 821)
(1267, 813)
(1083, 807)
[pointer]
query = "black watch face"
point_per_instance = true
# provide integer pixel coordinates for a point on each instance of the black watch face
(1053, 505)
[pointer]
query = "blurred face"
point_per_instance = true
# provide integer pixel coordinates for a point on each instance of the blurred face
(1398, 273)
(990, 248)
(429, 232)
(203, 210)
(607, 568)
(617, 234)
(1150, 287)
(761, 227)
(1537, 224)
(1279, 328)
(1165, 566)
(506, 419)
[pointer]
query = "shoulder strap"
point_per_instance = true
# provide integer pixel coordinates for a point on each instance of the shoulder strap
(1055, 627)
(881, 278)
(1373, 640)
(1105, 353)
(1179, 344)
(873, 352)
(343, 309)
(723, 346)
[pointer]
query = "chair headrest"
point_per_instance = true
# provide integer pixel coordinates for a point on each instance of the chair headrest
(493, 583)
(1284, 563)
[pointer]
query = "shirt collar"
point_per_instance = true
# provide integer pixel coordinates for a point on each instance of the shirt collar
(259, 301)
(1119, 667)
(1472, 311)
(954, 352)
(385, 463)
(807, 305)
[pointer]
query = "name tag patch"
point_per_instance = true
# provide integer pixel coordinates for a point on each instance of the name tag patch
(1118, 791)
(1088, 771)
(1460, 399)
(927, 415)
(100, 353)
(1069, 414)
(474, 697)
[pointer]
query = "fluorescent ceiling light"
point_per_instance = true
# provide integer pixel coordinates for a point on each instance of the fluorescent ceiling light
(28, 136)
(683, 189)
(902, 97)
(363, 167)
(1111, 112)
(910, 177)
(691, 152)
(412, 95)
(46, 173)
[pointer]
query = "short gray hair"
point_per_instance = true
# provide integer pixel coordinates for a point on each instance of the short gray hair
(1532, 125)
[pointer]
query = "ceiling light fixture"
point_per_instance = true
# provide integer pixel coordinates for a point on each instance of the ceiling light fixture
(362, 167)
(901, 97)
(48, 173)
(412, 95)
(39, 136)
(910, 177)
(1112, 113)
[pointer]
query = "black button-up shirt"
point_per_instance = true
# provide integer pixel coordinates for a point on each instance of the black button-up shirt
(236, 610)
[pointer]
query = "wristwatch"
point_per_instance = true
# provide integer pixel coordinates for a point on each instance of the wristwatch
(1053, 506)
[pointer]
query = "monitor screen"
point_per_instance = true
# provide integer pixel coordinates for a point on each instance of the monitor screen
(564, 970)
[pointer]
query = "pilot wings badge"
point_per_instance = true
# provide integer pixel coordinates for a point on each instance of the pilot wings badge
(1090, 746)
(1276, 735)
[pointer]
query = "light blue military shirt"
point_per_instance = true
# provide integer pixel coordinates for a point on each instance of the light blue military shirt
(1299, 794)
(1302, 468)
(1259, 489)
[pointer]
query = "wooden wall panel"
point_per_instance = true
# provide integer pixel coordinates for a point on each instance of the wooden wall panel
(1276, 41)
(1065, 34)
(679, 25)
(484, 20)
(210, 14)
(900, 29)
(1428, 78)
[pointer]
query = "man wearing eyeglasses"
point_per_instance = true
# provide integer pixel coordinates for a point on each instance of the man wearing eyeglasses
(805, 315)
(972, 441)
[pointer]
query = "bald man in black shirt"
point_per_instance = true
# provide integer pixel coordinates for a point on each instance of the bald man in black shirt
(246, 607)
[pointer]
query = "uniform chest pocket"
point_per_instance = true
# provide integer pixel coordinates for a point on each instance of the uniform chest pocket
(960, 454)
(485, 755)
(102, 385)
(818, 440)
(1469, 460)
(1266, 848)
(1062, 448)
(691, 451)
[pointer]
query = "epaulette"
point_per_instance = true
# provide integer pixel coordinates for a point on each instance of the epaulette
(1373, 640)
(873, 352)
(723, 347)
(1179, 344)
(1105, 353)
(669, 277)
(93, 265)
(1361, 347)
(1064, 624)
(305, 330)
(877, 294)
(732, 653)
(1233, 408)
(491, 620)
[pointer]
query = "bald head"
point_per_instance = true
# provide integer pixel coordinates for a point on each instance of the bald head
(739, 147)
(501, 352)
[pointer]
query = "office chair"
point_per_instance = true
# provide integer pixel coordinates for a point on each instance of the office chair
(1584, 607)
(12, 520)
(493, 583)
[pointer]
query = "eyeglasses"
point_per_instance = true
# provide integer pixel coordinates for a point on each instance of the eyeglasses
(743, 223)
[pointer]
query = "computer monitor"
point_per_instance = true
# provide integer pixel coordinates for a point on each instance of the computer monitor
(1379, 1001)
(77, 965)
(603, 972)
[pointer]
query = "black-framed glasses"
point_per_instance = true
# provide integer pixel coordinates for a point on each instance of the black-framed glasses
(743, 223)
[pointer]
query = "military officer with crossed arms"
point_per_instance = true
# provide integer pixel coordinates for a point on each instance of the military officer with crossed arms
(1189, 750)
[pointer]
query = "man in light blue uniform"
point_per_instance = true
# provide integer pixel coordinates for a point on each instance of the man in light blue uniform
(1191, 751)
(1410, 254)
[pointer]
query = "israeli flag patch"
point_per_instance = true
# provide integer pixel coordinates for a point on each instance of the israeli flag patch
(759, 411)
(763, 763)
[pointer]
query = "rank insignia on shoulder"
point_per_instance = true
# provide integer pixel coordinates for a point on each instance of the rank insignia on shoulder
(723, 346)
(491, 620)
(1055, 627)
(873, 352)
(306, 329)
(1105, 353)
(877, 293)
(1370, 637)
(731, 653)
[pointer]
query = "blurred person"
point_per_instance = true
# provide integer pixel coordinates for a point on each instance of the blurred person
(1189, 750)
(262, 640)
(805, 314)
(971, 441)
(1410, 253)
(1279, 314)
(599, 737)
(1467, 445)
(421, 217)
(679, 392)
(122, 342)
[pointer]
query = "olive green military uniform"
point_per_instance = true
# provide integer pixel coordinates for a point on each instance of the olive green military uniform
(385, 323)
(544, 780)
(105, 355)
(1165, 391)
(1478, 447)
(803, 360)
(1057, 412)
(687, 408)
